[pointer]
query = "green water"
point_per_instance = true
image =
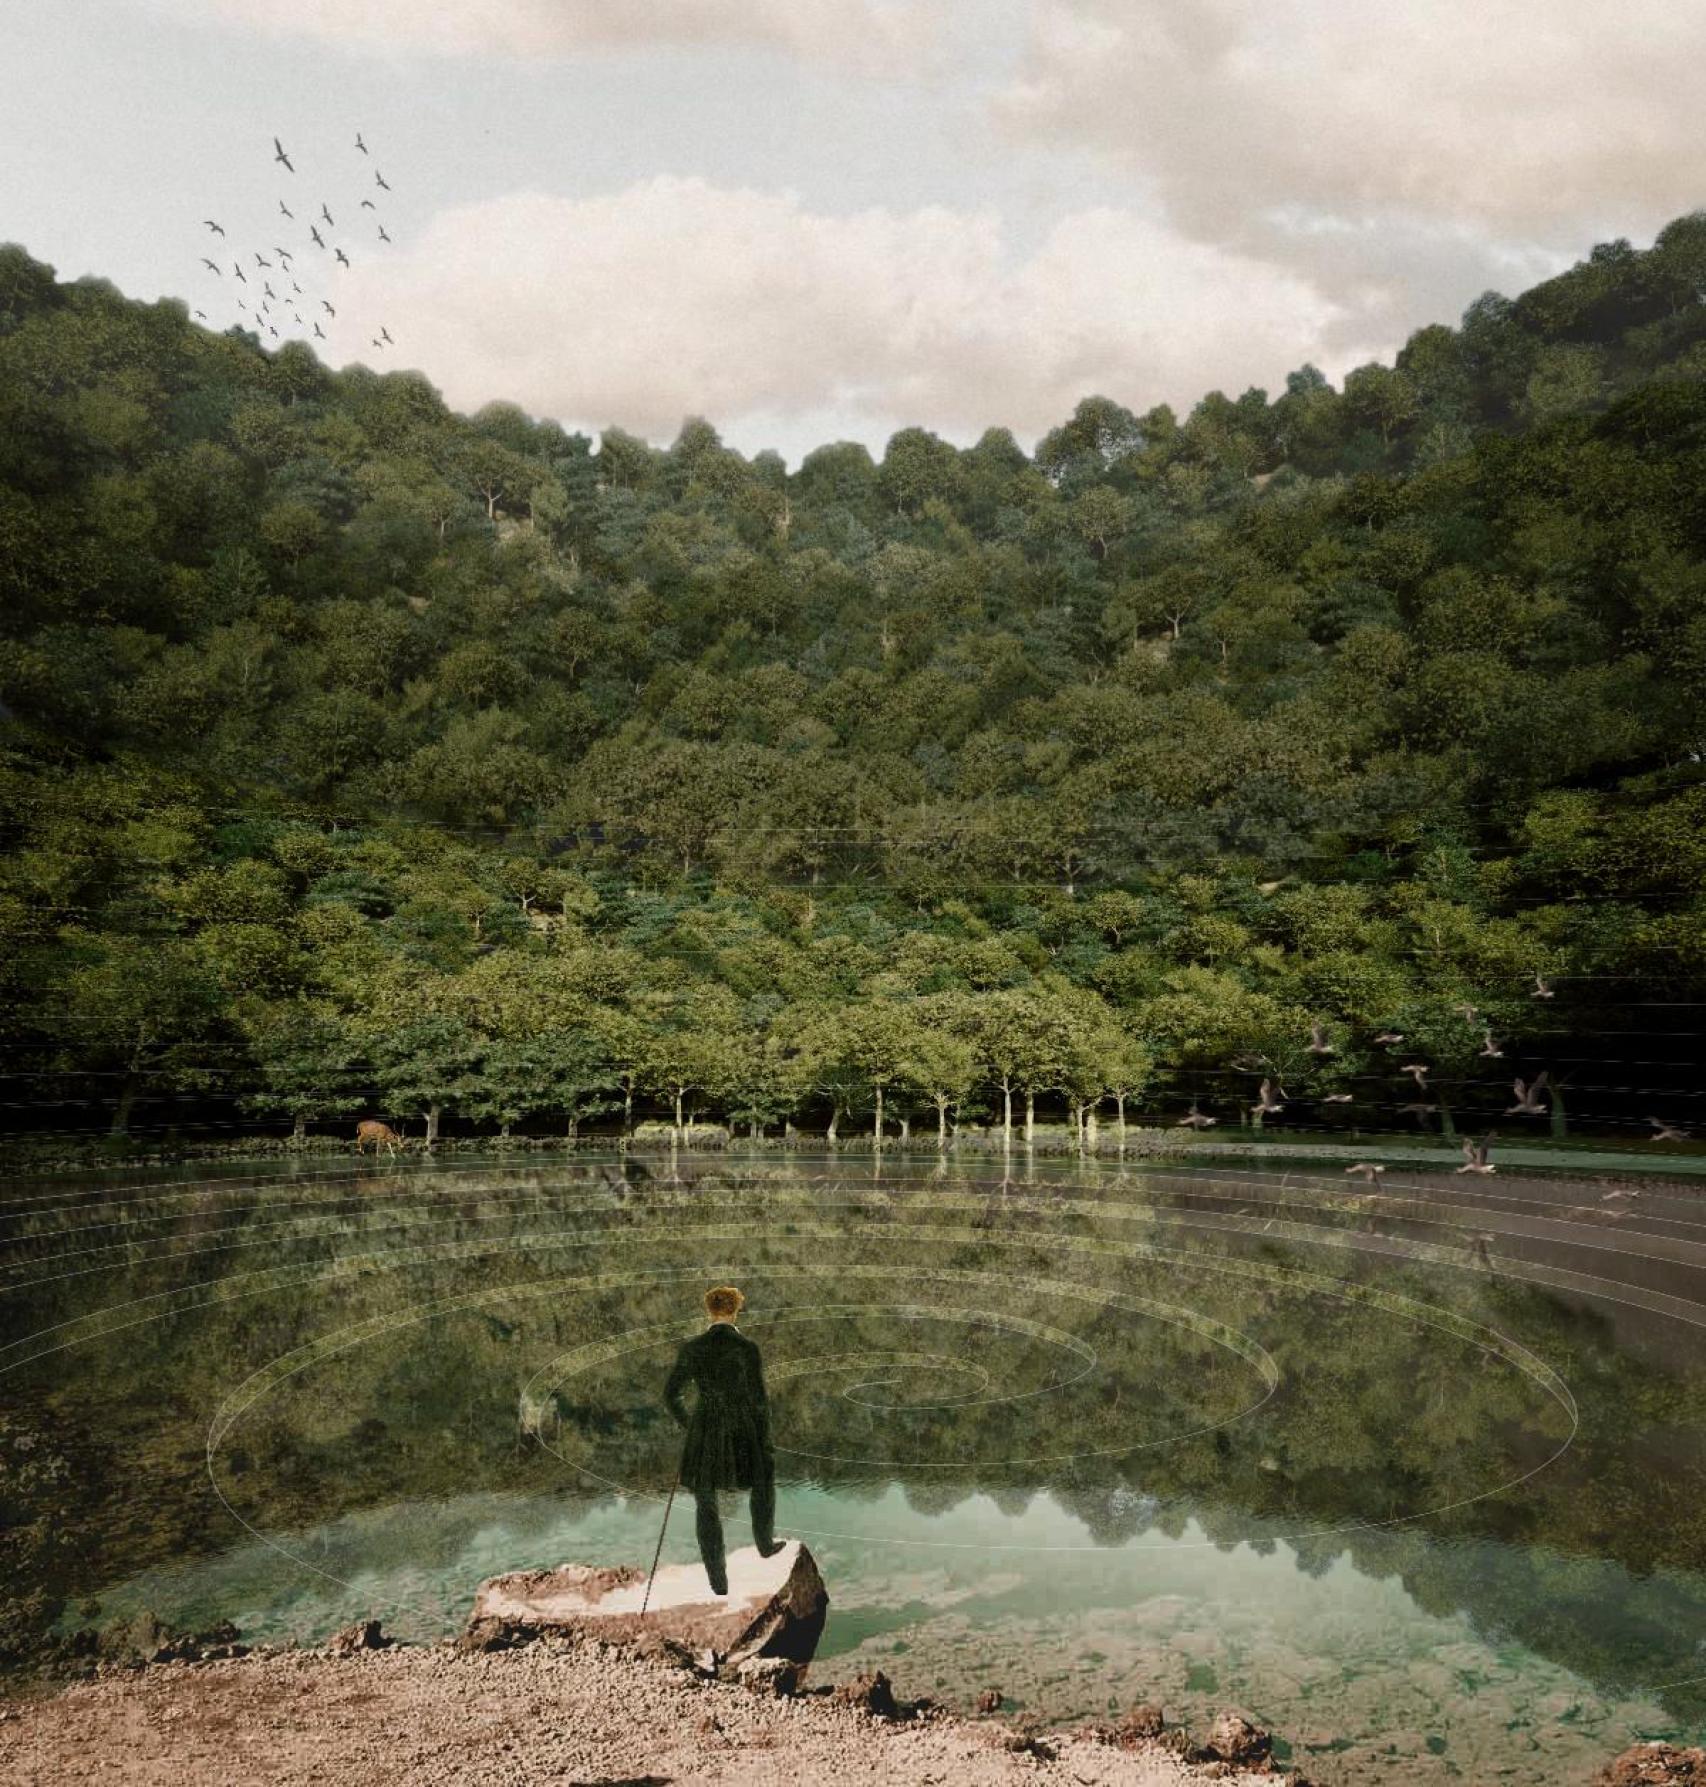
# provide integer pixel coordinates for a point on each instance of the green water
(1428, 1505)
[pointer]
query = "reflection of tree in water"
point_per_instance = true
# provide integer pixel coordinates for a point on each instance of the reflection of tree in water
(1589, 1563)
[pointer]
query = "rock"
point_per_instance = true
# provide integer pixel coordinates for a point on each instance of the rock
(1233, 1738)
(365, 1634)
(770, 1675)
(872, 1693)
(989, 1700)
(1655, 1765)
(1144, 1720)
(775, 1607)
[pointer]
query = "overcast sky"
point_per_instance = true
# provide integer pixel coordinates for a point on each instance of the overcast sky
(811, 220)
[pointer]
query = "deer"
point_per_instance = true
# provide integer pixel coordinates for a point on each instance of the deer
(381, 1135)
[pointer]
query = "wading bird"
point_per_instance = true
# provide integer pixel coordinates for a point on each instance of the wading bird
(1541, 989)
(1367, 1170)
(1318, 1043)
(1418, 1071)
(210, 266)
(341, 256)
(1194, 1119)
(279, 154)
(213, 226)
(1270, 1100)
(1528, 1098)
(1491, 1049)
(1475, 1155)
(1667, 1132)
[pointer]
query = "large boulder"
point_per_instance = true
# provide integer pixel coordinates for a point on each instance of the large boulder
(775, 1607)
(1655, 1765)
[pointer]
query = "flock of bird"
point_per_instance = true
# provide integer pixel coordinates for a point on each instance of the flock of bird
(1271, 1099)
(263, 309)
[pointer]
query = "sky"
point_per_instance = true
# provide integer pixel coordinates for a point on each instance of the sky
(819, 220)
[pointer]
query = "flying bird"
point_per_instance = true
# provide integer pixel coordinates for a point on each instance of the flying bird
(1667, 1132)
(213, 226)
(319, 240)
(327, 308)
(382, 236)
(279, 154)
(296, 288)
(319, 331)
(341, 256)
(202, 314)
(1468, 1012)
(1475, 1155)
(1541, 989)
(209, 265)
(330, 222)
(381, 179)
(1271, 1098)
(359, 143)
(1367, 1170)
(268, 289)
(237, 269)
(1421, 1112)
(1194, 1119)
(1528, 1098)
(1338, 1098)
(286, 210)
(274, 332)
(368, 205)
(1390, 1036)
(282, 253)
(1418, 1072)
(1491, 1049)
(386, 334)
(1318, 1043)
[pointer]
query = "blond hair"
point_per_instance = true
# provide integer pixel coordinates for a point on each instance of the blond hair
(723, 1301)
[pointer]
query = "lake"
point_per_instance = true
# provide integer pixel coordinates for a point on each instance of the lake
(1415, 1476)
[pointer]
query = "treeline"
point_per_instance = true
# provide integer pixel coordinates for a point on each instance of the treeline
(358, 756)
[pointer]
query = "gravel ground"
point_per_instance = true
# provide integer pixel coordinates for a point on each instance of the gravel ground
(575, 1716)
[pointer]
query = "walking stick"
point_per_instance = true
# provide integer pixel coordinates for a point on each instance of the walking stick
(661, 1530)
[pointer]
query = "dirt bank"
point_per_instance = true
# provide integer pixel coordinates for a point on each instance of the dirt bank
(549, 1712)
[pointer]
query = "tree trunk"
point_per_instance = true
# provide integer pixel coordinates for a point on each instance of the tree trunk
(879, 1137)
(756, 1131)
(628, 1107)
(1006, 1117)
(834, 1118)
(1030, 1118)
(905, 1131)
(432, 1126)
(1119, 1099)
(941, 1126)
(126, 1098)
(503, 1133)
(1090, 1128)
(574, 1125)
(299, 1132)
(1447, 1128)
(1560, 1124)
(679, 1092)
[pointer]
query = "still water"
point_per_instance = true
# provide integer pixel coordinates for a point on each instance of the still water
(1414, 1477)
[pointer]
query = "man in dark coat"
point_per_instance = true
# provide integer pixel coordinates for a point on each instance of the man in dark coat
(728, 1434)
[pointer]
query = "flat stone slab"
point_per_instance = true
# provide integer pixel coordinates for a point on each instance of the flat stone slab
(775, 1607)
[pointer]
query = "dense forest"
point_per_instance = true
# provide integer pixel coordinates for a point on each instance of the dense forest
(361, 758)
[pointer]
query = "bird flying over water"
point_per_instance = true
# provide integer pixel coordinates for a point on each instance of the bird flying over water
(1528, 1098)
(1318, 1043)
(359, 143)
(213, 226)
(330, 223)
(1541, 989)
(1367, 1170)
(279, 154)
(210, 266)
(1421, 1112)
(381, 179)
(1667, 1132)
(1418, 1072)
(1194, 1119)
(1270, 1099)
(341, 256)
(319, 240)
(1475, 1155)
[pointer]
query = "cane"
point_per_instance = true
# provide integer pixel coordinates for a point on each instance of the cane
(661, 1530)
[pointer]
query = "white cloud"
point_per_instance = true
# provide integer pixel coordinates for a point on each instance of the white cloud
(676, 297)
(1401, 157)
(857, 33)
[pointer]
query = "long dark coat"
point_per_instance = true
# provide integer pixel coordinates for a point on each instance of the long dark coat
(728, 1434)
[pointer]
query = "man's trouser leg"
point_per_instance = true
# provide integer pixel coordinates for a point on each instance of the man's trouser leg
(709, 1525)
(764, 1508)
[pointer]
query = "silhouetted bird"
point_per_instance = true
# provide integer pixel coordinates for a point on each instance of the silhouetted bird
(287, 210)
(1318, 1043)
(381, 179)
(1541, 989)
(1270, 1099)
(382, 236)
(1475, 1156)
(319, 331)
(274, 332)
(1367, 1170)
(279, 154)
(327, 308)
(1528, 1098)
(268, 289)
(210, 266)
(342, 256)
(262, 261)
(368, 205)
(330, 223)
(213, 226)
(282, 253)
(1667, 1132)
(319, 240)
(359, 143)
(235, 268)
(385, 334)
(202, 314)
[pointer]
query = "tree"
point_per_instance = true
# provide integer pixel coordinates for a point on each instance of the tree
(308, 1059)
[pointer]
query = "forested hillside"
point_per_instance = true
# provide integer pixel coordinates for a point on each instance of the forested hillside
(360, 757)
